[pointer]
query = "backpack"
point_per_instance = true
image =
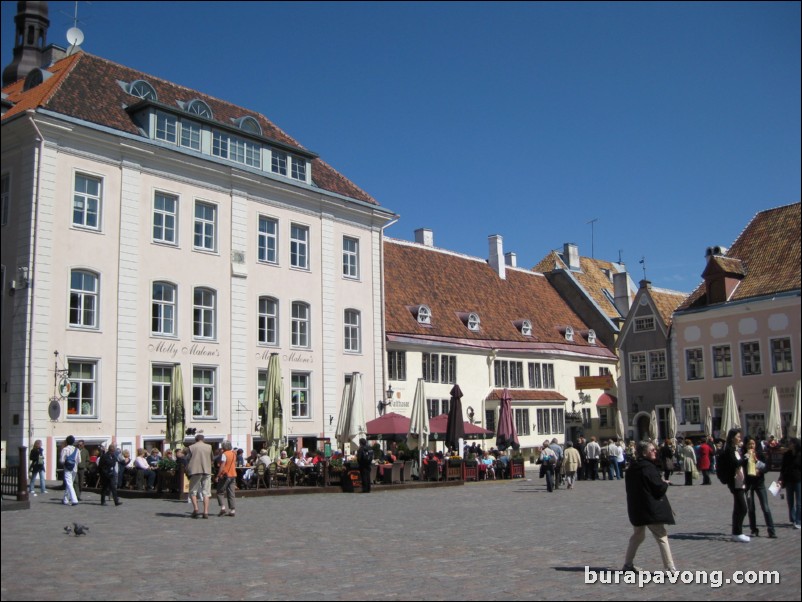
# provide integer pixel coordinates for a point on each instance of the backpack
(605, 453)
(365, 456)
(723, 467)
(69, 461)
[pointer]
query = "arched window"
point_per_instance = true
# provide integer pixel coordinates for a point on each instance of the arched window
(249, 124)
(163, 309)
(424, 315)
(142, 89)
(268, 321)
(200, 108)
(84, 297)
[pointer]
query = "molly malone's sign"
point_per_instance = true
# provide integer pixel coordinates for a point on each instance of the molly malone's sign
(605, 381)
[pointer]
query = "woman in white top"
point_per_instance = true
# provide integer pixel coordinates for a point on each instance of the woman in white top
(70, 453)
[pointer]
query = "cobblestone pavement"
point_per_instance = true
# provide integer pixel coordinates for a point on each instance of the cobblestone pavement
(481, 541)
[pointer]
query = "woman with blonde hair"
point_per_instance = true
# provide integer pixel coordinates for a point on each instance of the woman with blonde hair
(37, 458)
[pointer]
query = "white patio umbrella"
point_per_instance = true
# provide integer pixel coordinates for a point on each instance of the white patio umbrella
(341, 432)
(795, 429)
(708, 423)
(653, 426)
(672, 424)
(774, 423)
(357, 426)
(419, 431)
(619, 425)
(730, 418)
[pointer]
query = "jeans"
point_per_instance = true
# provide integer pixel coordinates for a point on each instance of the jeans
(69, 490)
(614, 469)
(660, 534)
(42, 486)
(759, 489)
(549, 472)
(792, 491)
(739, 511)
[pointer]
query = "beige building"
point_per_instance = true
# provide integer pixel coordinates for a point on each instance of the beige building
(147, 226)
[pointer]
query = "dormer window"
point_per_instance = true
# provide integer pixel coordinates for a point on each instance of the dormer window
(142, 89)
(249, 124)
(569, 334)
(591, 337)
(471, 321)
(422, 314)
(200, 108)
(526, 328)
(34, 78)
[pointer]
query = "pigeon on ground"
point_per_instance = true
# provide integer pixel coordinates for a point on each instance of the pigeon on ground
(67, 530)
(79, 529)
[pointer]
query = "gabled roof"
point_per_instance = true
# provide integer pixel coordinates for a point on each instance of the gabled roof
(451, 285)
(666, 302)
(594, 275)
(769, 252)
(87, 87)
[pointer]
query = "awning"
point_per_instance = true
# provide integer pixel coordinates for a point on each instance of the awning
(606, 401)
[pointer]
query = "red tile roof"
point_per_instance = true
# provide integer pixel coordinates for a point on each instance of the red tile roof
(769, 254)
(87, 87)
(666, 302)
(452, 285)
(526, 395)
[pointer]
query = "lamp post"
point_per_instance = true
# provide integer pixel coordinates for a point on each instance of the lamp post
(382, 405)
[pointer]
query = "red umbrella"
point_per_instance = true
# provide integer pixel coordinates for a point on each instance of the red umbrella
(439, 425)
(389, 425)
(506, 435)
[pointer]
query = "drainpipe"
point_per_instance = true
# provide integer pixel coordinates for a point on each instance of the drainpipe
(383, 309)
(32, 271)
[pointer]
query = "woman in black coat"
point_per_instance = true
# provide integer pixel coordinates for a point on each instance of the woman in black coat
(647, 505)
(732, 465)
(790, 478)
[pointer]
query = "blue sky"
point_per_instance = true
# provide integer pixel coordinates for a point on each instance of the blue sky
(672, 124)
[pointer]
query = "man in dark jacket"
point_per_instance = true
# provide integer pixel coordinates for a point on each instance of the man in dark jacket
(364, 457)
(108, 466)
(647, 505)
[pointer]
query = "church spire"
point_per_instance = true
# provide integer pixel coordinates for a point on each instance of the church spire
(29, 42)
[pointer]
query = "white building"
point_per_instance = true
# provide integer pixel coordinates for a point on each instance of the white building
(146, 225)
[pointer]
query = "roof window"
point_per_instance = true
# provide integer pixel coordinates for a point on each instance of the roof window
(142, 89)
(34, 78)
(471, 321)
(569, 334)
(249, 124)
(525, 326)
(200, 108)
(422, 314)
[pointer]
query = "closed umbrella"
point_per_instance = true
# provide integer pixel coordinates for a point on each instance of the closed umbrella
(176, 418)
(672, 423)
(730, 418)
(795, 429)
(418, 435)
(653, 426)
(456, 428)
(340, 434)
(357, 428)
(709, 423)
(506, 435)
(774, 424)
(619, 425)
(273, 425)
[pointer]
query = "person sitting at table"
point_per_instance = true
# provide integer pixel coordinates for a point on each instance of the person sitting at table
(144, 473)
(503, 464)
(284, 461)
(240, 457)
(389, 457)
(253, 457)
(153, 458)
(489, 464)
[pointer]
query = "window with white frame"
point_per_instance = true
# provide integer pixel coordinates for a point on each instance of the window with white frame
(781, 358)
(5, 198)
(298, 169)
(300, 324)
(86, 201)
(397, 365)
(267, 327)
(584, 370)
(430, 367)
(190, 134)
(234, 148)
(350, 257)
(165, 218)
(644, 323)
(205, 226)
(299, 246)
(604, 371)
(569, 334)
(436, 407)
(638, 368)
(522, 423)
(197, 106)
(204, 311)
(657, 365)
(508, 374)
(161, 380)
(84, 294)
(691, 413)
(604, 417)
(299, 394)
(750, 358)
(424, 315)
(278, 162)
(526, 328)
(204, 392)
(541, 376)
(544, 422)
(268, 240)
(557, 420)
(695, 364)
(351, 331)
(261, 384)
(166, 127)
(448, 369)
(82, 400)
(722, 361)
(163, 305)
(474, 322)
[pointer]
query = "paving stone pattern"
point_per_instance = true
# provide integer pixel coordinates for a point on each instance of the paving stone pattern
(481, 541)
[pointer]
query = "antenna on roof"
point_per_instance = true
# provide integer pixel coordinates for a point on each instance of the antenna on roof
(75, 37)
(592, 233)
(620, 255)
(643, 263)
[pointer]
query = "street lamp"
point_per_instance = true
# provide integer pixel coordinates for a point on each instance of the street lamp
(382, 405)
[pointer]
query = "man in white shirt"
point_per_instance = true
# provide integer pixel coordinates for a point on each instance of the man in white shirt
(592, 452)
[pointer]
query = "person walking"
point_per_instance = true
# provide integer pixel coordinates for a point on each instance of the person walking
(364, 457)
(731, 467)
(37, 467)
(69, 461)
(108, 465)
(226, 480)
(83, 465)
(688, 461)
(756, 485)
(199, 467)
(572, 462)
(548, 464)
(647, 505)
(592, 453)
(706, 453)
(790, 479)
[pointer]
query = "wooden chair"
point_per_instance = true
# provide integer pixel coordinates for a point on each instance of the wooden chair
(406, 472)
(432, 471)
(261, 476)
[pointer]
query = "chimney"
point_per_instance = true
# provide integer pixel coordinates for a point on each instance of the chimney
(571, 256)
(425, 237)
(623, 299)
(511, 259)
(496, 243)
